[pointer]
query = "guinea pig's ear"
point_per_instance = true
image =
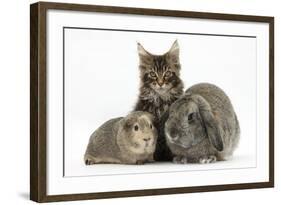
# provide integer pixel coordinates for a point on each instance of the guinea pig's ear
(212, 129)
(127, 123)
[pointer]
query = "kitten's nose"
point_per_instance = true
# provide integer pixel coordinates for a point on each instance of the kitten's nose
(160, 82)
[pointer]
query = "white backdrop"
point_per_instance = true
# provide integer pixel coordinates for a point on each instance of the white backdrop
(102, 79)
(148, 176)
(14, 87)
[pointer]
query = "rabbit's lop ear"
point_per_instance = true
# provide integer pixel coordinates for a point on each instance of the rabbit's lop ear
(212, 129)
(211, 126)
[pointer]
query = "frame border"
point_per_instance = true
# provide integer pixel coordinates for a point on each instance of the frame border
(38, 100)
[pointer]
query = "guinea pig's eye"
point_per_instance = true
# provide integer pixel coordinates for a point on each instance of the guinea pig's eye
(191, 117)
(136, 127)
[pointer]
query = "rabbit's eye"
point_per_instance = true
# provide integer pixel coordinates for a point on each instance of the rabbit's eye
(136, 127)
(191, 117)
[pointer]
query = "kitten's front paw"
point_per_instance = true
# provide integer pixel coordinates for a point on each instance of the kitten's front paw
(208, 159)
(180, 160)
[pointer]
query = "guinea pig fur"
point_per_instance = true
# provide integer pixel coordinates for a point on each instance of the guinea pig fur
(124, 140)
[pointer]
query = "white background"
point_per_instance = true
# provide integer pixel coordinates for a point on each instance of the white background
(102, 80)
(76, 83)
(15, 102)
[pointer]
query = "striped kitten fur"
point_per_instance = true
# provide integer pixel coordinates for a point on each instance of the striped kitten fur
(160, 86)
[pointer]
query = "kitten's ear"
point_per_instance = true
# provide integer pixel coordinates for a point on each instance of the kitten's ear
(174, 52)
(144, 56)
(142, 52)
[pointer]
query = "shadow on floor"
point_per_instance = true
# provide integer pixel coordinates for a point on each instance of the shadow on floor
(24, 195)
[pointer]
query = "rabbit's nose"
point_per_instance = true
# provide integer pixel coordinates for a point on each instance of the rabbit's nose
(173, 133)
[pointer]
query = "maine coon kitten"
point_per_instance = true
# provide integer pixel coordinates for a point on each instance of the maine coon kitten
(160, 86)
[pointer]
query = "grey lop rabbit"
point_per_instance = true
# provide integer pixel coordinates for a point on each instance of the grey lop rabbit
(201, 126)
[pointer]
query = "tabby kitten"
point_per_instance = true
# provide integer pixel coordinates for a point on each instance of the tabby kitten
(160, 86)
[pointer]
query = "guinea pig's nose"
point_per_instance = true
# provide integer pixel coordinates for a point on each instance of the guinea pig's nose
(146, 139)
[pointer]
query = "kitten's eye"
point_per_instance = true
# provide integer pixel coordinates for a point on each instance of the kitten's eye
(191, 117)
(168, 74)
(152, 74)
(136, 127)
